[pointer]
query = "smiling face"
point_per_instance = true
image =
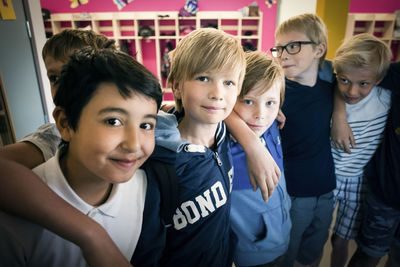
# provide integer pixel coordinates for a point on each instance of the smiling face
(303, 66)
(257, 110)
(113, 138)
(356, 83)
(208, 97)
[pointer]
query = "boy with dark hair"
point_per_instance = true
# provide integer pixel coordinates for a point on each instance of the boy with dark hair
(106, 114)
(41, 145)
(17, 159)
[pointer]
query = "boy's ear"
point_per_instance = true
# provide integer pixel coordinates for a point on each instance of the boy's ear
(176, 90)
(62, 123)
(320, 50)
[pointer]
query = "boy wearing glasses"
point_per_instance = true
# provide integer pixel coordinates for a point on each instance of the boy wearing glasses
(301, 44)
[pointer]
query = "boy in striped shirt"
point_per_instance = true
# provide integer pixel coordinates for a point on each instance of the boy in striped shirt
(361, 63)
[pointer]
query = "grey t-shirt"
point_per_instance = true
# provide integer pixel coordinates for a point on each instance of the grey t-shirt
(46, 138)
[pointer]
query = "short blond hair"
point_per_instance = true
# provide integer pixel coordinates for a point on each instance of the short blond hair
(204, 50)
(262, 70)
(363, 51)
(309, 24)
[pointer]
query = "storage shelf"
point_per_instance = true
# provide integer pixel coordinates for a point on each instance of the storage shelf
(380, 25)
(125, 26)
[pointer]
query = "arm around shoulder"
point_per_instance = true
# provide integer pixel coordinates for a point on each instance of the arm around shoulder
(21, 188)
(341, 133)
(24, 153)
(263, 170)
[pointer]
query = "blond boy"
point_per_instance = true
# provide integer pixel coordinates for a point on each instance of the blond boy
(361, 63)
(300, 47)
(207, 70)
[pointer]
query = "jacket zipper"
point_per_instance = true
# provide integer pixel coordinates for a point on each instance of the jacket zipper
(218, 159)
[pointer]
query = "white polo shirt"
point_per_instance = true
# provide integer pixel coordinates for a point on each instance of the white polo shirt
(121, 215)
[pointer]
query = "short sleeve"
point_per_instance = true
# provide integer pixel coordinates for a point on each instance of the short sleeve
(46, 138)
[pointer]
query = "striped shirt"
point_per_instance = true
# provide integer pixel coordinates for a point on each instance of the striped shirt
(367, 120)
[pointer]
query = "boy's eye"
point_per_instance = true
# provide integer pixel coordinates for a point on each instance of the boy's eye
(292, 46)
(54, 78)
(270, 103)
(343, 80)
(364, 84)
(114, 122)
(202, 78)
(229, 83)
(147, 126)
(248, 101)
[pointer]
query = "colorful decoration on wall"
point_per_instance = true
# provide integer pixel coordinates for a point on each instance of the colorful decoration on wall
(7, 10)
(269, 3)
(189, 9)
(76, 3)
(121, 3)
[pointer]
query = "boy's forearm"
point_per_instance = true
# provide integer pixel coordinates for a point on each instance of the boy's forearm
(341, 133)
(23, 194)
(24, 153)
(339, 106)
(262, 169)
(240, 131)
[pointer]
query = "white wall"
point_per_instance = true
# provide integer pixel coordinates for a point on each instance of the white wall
(290, 8)
(38, 39)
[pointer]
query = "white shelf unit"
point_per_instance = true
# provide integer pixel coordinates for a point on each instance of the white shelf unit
(165, 27)
(380, 25)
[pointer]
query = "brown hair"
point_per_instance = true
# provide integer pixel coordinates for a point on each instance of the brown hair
(263, 70)
(60, 46)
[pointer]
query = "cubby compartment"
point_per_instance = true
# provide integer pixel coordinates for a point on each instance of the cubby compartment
(380, 25)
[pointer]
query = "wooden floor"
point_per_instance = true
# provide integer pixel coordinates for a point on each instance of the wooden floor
(325, 262)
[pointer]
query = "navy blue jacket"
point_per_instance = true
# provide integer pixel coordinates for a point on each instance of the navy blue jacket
(200, 235)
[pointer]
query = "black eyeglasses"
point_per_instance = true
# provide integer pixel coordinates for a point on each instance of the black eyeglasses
(291, 48)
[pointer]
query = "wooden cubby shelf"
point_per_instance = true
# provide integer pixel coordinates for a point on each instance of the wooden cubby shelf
(162, 29)
(380, 25)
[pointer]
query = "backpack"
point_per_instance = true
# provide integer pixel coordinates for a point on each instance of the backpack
(165, 174)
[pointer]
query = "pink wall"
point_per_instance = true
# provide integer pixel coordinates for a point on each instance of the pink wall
(374, 6)
(269, 14)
